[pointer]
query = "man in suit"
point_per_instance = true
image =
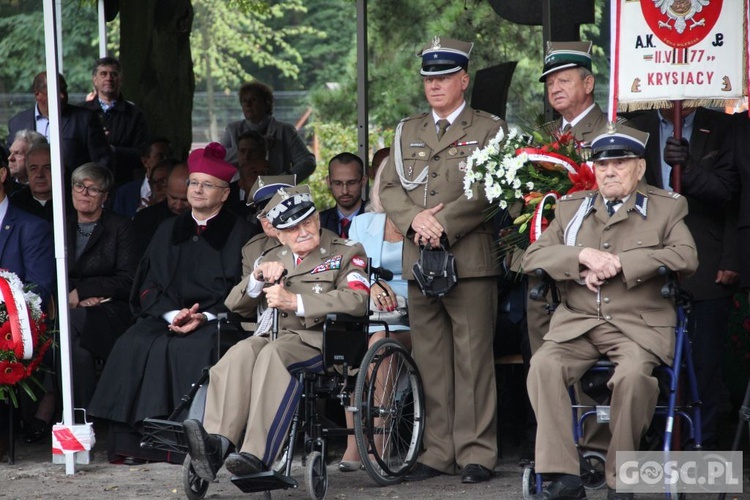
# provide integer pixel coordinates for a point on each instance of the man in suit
(604, 248)
(23, 140)
(423, 194)
(147, 221)
(36, 196)
(714, 228)
(140, 192)
(346, 179)
(26, 247)
(122, 122)
(81, 136)
(254, 386)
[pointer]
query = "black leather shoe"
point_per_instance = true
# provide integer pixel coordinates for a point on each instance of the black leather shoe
(613, 495)
(475, 473)
(420, 472)
(558, 491)
(244, 464)
(207, 451)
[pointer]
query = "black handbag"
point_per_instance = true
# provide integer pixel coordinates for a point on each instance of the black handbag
(435, 271)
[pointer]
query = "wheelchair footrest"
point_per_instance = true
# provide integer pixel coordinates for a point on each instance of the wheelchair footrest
(164, 435)
(263, 481)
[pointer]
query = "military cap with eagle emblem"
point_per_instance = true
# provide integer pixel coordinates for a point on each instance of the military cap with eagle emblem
(444, 56)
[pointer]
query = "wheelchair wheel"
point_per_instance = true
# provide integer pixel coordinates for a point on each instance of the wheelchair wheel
(316, 476)
(195, 487)
(389, 423)
(528, 482)
(592, 470)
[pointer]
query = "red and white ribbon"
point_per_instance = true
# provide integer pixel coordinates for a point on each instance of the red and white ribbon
(537, 219)
(18, 315)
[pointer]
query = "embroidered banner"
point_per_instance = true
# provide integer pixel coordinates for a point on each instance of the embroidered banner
(695, 50)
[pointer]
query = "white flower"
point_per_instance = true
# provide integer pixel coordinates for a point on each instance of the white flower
(530, 185)
(494, 191)
(503, 204)
(516, 183)
(518, 194)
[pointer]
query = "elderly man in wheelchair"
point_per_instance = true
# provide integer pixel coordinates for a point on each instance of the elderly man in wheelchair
(604, 249)
(253, 385)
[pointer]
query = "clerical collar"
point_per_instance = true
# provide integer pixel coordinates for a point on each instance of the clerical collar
(451, 117)
(204, 221)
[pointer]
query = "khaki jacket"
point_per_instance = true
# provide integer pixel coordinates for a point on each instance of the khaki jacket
(332, 279)
(466, 221)
(648, 231)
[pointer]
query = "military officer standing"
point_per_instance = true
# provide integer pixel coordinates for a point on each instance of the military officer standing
(254, 385)
(604, 249)
(452, 336)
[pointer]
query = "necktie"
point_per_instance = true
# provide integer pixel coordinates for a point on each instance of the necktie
(566, 129)
(299, 261)
(611, 204)
(442, 127)
(344, 227)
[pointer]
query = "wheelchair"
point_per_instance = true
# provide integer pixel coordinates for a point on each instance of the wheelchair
(593, 462)
(380, 386)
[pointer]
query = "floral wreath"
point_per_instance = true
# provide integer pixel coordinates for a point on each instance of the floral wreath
(527, 180)
(23, 337)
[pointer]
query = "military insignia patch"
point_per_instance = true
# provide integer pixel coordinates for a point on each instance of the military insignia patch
(359, 262)
(317, 288)
(332, 263)
(416, 144)
(462, 166)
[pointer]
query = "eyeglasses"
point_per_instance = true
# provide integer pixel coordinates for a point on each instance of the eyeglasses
(348, 184)
(157, 182)
(92, 190)
(204, 185)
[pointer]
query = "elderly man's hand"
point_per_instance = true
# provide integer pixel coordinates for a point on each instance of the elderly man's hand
(269, 272)
(592, 282)
(604, 265)
(278, 297)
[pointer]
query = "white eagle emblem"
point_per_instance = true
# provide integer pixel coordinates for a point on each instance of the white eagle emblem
(681, 11)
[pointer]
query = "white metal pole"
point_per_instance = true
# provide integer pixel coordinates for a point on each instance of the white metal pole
(102, 31)
(59, 34)
(58, 206)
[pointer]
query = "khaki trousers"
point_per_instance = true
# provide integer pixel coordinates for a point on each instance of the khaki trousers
(555, 367)
(254, 387)
(452, 346)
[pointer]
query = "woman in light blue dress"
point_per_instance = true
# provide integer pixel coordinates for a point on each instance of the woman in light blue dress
(383, 243)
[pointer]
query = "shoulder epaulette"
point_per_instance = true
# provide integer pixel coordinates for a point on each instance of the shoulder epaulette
(578, 195)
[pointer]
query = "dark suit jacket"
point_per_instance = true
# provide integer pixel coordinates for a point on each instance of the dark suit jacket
(26, 249)
(125, 128)
(24, 200)
(82, 137)
(711, 219)
(329, 218)
(127, 198)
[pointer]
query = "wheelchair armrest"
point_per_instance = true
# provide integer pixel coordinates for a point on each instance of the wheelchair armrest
(545, 286)
(672, 289)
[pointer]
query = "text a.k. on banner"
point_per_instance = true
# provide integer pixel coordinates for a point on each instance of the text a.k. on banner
(693, 50)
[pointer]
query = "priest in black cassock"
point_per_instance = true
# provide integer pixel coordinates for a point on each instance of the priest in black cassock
(191, 264)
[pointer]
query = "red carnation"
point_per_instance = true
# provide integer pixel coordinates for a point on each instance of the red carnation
(11, 372)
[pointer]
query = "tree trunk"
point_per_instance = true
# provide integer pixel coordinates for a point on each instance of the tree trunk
(158, 67)
(205, 28)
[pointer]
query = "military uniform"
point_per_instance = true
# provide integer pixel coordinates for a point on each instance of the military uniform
(258, 246)
(585, 130)
(254, 385)
(633, 324)
(452, 337)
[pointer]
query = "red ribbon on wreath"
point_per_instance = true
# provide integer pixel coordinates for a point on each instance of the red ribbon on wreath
(20, 326)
